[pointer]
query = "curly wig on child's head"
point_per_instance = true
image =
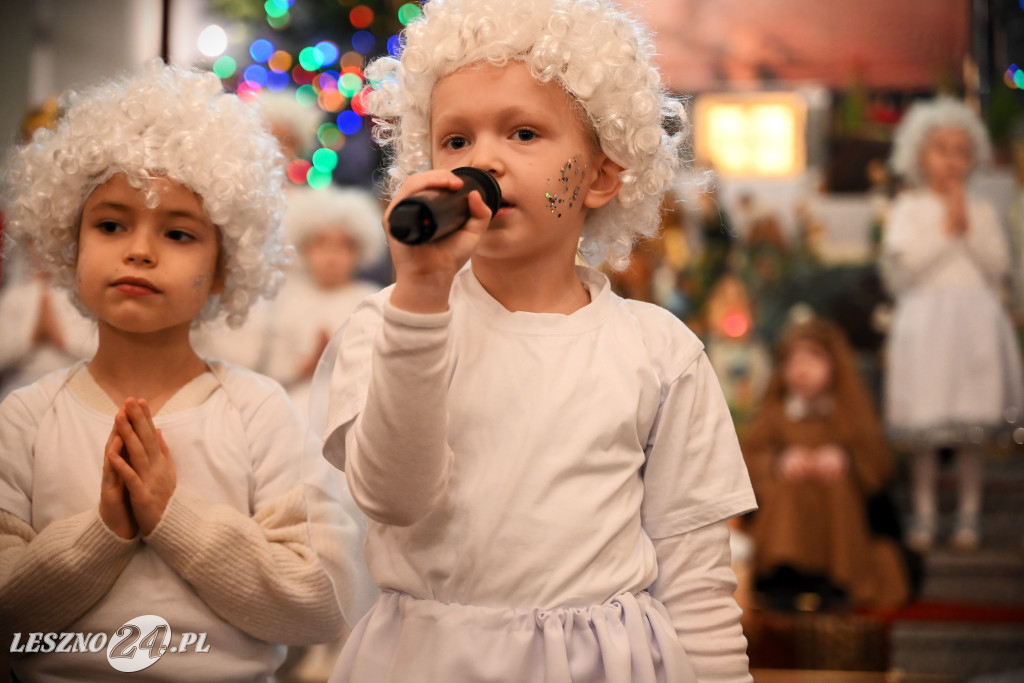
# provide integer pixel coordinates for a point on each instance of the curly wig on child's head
(350, 210)
(921, 120)
(167, 122)
(599, 54)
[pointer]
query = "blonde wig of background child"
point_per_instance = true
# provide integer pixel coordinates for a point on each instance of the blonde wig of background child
(596, 53)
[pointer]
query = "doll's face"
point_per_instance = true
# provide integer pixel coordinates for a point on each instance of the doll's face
(331, 257)
(807, 371)
(946, 158)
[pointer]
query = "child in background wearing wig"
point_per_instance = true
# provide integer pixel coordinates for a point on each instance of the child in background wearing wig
(547, 468)
(954, 370)
(148, 481)
(336, 232)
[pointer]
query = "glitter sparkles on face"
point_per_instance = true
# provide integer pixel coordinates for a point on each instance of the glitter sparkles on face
(570, 173)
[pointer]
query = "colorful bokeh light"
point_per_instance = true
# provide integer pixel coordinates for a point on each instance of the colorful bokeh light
(410, 12)
(255, 74)
(306, 95)
(349, 122)
(361, 16)
(395, 46)
(280, 61)
(330, 137)
(325, 159)
(225, 67)
(329, 52)
(318, 179)
(349, 84)
(276, 8)
(261, 50)
(297, 170)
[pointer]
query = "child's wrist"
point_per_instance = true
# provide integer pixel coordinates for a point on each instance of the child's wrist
(425, 295)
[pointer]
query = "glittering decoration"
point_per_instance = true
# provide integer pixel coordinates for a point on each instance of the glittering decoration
(571, 172)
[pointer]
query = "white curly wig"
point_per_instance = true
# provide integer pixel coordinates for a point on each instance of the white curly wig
(353, 211)
(924, 117)
(282, 108)
(597, 53)
(163, 121)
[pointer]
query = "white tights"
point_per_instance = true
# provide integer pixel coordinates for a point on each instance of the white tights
(969, 482)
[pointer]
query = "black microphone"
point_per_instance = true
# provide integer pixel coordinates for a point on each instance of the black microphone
(432, 214)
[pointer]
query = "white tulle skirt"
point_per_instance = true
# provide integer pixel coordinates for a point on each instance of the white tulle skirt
(628, 639)
(953, 368)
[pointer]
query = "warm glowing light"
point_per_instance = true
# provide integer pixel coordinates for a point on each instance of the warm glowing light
(735, 325)
(754, 134)
(352, 59)
(212, 41)
(361, 16)
(280, 61)
(298, 169)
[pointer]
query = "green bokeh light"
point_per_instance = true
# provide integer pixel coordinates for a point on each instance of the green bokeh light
(325, 160)
(318, 179)
(409, 12)
(225, 66)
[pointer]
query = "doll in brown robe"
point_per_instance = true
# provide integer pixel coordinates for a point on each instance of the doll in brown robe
(815, 452)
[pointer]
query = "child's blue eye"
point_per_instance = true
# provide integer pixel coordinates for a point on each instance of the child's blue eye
(524, 135)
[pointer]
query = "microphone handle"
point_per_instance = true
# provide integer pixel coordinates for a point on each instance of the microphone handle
(433, 214)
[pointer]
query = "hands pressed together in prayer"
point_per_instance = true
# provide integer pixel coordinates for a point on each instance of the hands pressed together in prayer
(826, 464)
(138, 475)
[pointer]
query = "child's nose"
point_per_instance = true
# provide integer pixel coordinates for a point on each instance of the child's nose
(140, 249)
(486, 156)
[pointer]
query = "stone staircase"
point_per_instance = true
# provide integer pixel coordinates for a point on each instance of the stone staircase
(966, 623)
(969, 620)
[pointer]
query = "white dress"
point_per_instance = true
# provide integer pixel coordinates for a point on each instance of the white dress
(576, 444)
(954, 368)
(302, 314)
(23, 362)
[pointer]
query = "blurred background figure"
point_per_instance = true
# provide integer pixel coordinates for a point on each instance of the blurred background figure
(336, 233)
(42, 330)
(954, 369)
(740, 358)
(816, 452)
(295, 127)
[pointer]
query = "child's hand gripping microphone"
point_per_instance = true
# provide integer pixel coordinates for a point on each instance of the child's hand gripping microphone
(432, 214)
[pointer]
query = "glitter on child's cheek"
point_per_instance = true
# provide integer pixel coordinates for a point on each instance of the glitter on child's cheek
(199, 281)
(571, 173)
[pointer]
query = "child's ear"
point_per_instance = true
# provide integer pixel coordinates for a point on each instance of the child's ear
(606, 184)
